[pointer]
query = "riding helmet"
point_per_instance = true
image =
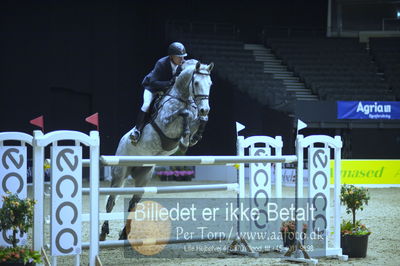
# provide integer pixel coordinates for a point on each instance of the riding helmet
(177, 48)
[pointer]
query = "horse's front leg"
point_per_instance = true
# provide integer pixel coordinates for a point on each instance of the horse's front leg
(119, 174)
(186, 115)
(187, 121)
(142, 176)
(131, 208)
(201, 122)
(173, 116)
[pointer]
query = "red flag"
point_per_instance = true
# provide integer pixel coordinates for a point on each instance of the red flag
(94, 120)
(39, 122)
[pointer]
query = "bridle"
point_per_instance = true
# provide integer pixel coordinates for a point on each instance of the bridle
(199, 96)
(195, 96)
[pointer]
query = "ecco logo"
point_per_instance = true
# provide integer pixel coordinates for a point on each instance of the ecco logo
(66, 198)
(17, 164)
(319, 187)
(261, 179)
(13, 176)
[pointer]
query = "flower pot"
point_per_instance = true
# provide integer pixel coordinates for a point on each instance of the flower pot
(355, 246)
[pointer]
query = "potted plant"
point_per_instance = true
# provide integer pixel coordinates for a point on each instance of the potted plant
(354, 234)
(288, 229)
(289, 235)
(17, 215)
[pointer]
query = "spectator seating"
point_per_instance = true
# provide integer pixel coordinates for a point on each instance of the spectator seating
(386, 52)
(238, 66)
(335, 69)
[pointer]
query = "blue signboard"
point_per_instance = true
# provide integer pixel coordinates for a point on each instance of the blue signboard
(368, 110)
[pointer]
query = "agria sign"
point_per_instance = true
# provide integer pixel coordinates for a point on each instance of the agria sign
(368, 110)
(375, 110)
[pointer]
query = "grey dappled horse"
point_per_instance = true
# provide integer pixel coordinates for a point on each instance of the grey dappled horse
(179, 124)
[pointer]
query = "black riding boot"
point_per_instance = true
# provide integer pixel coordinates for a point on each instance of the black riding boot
(137, 130)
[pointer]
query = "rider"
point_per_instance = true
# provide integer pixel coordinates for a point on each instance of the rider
(158, 81)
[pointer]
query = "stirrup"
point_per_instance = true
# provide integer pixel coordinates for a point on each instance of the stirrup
(135, 136)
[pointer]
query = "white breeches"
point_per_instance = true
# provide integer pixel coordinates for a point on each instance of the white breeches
(148, 96)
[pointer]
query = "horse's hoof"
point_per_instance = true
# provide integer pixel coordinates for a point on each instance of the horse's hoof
(105, 230)
(122, 235)
(102, 237)
(182, 148)
(192, 143)
(133, 143)
(195, 139)
(134, 136)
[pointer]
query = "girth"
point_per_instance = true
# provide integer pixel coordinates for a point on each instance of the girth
(167, 143)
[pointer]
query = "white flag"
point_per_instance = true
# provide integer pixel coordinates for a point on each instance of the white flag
(300, 125)
(239, 127)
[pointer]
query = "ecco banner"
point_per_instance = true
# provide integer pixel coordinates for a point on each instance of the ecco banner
(66, 202)
(318, 165)
(12, 179)
(260, 189)
(368, 110)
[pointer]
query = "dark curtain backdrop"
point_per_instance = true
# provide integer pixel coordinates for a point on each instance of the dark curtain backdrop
(68, 59)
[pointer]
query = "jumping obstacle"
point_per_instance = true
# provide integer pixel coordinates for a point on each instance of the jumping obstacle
(67, 161)
(65, 170)
(13, 171)
(319, 172)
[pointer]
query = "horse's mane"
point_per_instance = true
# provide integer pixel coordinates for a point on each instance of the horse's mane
(187, 71)
(189, 63)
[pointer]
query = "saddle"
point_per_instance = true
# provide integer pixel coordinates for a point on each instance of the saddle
(166, 142)
(154, 108)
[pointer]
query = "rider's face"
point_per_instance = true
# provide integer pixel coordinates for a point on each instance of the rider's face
(177, 60)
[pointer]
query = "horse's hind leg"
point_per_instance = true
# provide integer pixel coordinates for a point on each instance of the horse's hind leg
(119, 174)
(142, 176)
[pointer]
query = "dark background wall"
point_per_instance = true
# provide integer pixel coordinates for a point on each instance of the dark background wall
(365, 14)
(68, 59)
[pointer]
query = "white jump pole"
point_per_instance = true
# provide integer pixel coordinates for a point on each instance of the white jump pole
(94, 197)
(192, 160)
(138, 242)
(337, 187)
(164, 190)
(38, 192)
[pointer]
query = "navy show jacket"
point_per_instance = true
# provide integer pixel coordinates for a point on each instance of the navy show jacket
(159, 79)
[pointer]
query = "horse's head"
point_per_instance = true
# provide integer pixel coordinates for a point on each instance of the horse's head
(200, 86)
(196, 81)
